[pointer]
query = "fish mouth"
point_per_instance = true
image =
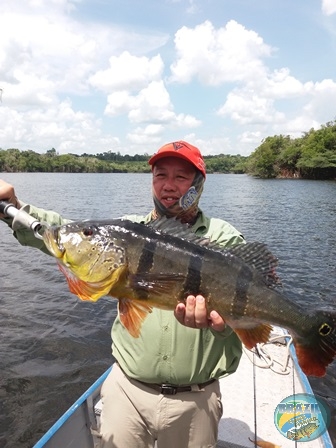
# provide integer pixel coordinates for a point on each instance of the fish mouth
(51, 240)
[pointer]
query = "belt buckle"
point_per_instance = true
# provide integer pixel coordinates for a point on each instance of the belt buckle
(168, 389)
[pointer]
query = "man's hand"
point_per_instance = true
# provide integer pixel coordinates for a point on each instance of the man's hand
(194, 314)
(7, 193)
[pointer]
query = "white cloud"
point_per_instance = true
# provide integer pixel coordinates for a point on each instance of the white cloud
(151, 105)
(252, 105)
(328, 7)
(120, 103)
(321, 96)
(187, 121)
(212, 145)
(39, 38)
(45, 56)
(46, 48)
(39, 6)
(151, 133)
(280, 84)
(250, 138)
(216, 56)
(128, 72)
(247, 107)
(296, 126)
(61, 127)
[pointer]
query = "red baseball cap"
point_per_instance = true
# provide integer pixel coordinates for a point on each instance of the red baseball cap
(183, 150)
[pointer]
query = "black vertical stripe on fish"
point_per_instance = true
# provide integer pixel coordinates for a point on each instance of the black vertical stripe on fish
(240, 300)
(146, 263)
(193, 281)
(147, 257)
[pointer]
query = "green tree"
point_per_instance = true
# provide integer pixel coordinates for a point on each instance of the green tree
(12, 160)
(263, 162)
(288, 159)
(2, 159)
(318, 157)
(51, 152)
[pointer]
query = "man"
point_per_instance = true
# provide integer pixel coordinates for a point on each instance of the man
(164, 385)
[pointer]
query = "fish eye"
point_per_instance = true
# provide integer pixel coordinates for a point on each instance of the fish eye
(88, 231)
(325, 329)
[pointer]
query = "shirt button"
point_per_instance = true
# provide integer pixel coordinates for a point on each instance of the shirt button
(165, 357)
(165, 327)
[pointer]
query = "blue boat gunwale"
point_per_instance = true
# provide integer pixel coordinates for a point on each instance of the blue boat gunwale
(60, 422)
(306, 384)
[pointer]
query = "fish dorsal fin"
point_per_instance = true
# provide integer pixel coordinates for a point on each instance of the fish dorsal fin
(260, 258)
(175, 227)
(254, 254)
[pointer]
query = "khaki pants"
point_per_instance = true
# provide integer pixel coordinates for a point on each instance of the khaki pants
(136, 416)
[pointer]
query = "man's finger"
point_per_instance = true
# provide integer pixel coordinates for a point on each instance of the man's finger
(201, 318)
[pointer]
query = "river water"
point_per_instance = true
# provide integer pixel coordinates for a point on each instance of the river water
(53, 346)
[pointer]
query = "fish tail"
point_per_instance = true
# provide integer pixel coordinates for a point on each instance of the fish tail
(317, 349)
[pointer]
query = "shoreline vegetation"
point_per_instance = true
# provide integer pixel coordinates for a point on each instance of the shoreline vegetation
(312, 156)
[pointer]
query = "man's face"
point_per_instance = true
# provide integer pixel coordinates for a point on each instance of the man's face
(172, 178)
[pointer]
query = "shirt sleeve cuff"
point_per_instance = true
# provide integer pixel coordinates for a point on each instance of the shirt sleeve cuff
(222, 334)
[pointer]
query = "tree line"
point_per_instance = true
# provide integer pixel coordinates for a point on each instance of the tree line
(13, 160)
(311, 156)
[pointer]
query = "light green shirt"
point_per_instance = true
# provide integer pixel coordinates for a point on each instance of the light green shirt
(166, 351)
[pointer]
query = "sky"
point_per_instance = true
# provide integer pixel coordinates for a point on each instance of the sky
(127, 76)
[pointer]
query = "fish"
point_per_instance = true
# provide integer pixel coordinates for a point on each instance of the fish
(302, 432)
(157, 265)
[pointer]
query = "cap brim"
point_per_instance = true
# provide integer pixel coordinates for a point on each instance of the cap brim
(159, 156)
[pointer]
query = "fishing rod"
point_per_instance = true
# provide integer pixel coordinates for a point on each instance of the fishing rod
(21, 218)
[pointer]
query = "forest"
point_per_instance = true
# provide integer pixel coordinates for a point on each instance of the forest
(13, 160)
(312, 156)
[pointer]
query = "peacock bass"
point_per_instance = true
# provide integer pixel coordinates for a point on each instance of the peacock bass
(161, 263)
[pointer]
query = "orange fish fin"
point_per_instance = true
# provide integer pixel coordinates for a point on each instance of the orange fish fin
(132, 313)
(251, 336)
(84, 290)
(312, 361)
(264, 444)
(155, 283)
(318, 349)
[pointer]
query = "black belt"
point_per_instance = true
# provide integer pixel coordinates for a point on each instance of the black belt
(171, 389)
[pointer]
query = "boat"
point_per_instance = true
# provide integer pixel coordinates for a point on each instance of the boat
(254, 397)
